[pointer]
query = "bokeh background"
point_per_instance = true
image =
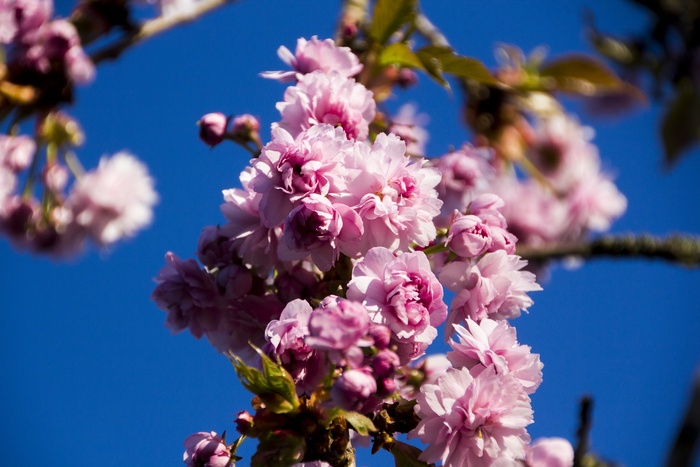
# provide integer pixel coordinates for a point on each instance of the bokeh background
(90, 376)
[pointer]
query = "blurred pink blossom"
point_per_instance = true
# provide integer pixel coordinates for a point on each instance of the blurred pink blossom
(114, 200)
(550, 452)
(206, 450)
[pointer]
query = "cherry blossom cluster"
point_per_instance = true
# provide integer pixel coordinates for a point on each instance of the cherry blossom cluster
(333, 262)
(41, 49)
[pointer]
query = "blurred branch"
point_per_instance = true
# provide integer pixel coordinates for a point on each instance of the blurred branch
(683, 249)
(430, 31)
(153, 27)
(584, 430)
(684, 449)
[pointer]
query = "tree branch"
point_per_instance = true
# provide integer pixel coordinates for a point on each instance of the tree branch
(584, 431)
(153, 27)
(684, 450)
(683, 249)
(430, 31)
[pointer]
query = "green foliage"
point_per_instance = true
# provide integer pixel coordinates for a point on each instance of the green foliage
(579, 74)
(279, 449)
(274, 385)
(406, 455)
(680, 126)
(400, 54)
(438, 60)
(390, 16)
(359, 423)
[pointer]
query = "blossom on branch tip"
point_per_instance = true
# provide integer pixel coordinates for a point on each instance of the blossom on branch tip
(315, 55)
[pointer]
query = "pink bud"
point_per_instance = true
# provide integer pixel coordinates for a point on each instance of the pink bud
(354, 388)
(212, 128)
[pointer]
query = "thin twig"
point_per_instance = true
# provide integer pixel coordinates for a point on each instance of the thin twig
(683, 249)
(584, 431)
(153, 27)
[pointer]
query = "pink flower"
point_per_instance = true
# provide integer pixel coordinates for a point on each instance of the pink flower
(188, 295)
(495, 287)
(409, 126)
(16, 152)
(466, 173)
(290, 169)
(495, 343)
(550, 452)
(401, 293)
(315, 55)
(206, 450)
(595, 203)
(468, 236)
(327, 98)
(353, 389)
(338, 324)
(253, 242)
(114, 200)
(394, 195)
(473, 421)
(321, 229)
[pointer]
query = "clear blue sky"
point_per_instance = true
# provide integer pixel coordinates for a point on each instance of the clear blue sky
(90, 376)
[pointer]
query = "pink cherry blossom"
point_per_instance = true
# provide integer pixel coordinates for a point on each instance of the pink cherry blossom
(494, 287)
(252, 241)
(188, 295)
(394, 195)
(466, 173)
(473, 421)
(409, 125)
(206, 450)
(338, 324)
(401, 293)
(321, 229)
(16, 152)
(114, 200)
(290, 169)
(315, 55)
(468, 236)
(495, 343)
(550, 452)
(353, 389)
(328, 98)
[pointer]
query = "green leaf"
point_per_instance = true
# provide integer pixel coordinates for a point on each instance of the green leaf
(389, 16)
(360, 423)
(400, 54)
(680, 127)
(432, 64)
(406, 455)
(274, 385)
(468, 68)
(579, 74)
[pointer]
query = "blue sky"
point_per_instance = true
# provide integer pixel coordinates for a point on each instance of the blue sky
(89, 374)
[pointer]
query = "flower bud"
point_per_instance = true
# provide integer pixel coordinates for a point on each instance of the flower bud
(381, 335)
(353, 389)
(212, 128)
(385, 363)
(245, 126)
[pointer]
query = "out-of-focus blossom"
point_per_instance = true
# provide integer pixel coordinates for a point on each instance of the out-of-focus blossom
(473, 421)
(327, 98)
(55, 177)
(206, 450)
(409, 125)
(313, 55)
(16, 152)
(394, 195)
(495, 343)
(550, 452)
(338, 324)
(114, 200)
(495, 287)
(401, 293)
(212, 128)
(466, 173)
(245, 127)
